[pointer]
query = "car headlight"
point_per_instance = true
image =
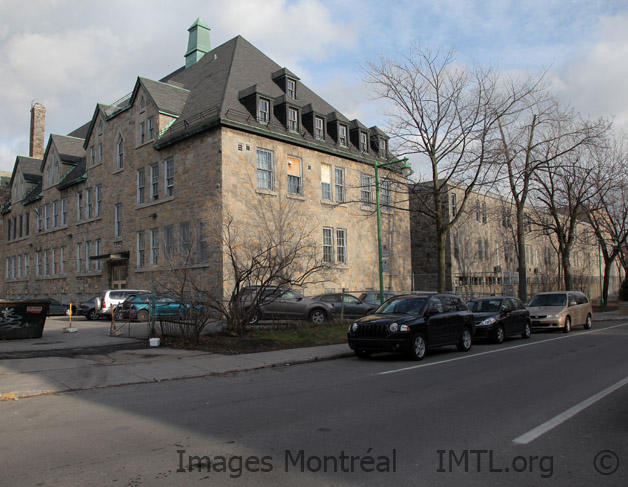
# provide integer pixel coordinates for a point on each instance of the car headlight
(353, 327)
(394, 327)
(488, 322)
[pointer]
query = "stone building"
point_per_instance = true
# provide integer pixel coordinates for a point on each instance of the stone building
(481, 255)
(157, 175)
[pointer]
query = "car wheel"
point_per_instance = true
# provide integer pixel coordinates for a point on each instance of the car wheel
(363, 353)
(588, 324)
(117, 314)
(92, 315)
(142, 315)
(567, 327)
(526, 331)
(67, 312)
(418, 348)
(318, 316)
(254, 320)
(464, 345)
(499, 334)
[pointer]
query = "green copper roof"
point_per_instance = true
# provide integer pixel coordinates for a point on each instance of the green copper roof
(198, 42)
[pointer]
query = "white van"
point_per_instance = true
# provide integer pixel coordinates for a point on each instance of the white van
(113, 297)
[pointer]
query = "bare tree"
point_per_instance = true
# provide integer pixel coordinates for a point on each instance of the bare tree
(532, 140)
(446, 113)
(609, 219)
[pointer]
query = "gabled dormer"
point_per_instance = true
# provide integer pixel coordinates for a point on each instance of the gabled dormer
(287, 113)
(258, 104)
(288, 82)
(379, 142)
(26, 175)
(63, 154)
(94, 139)
(338, 130)
(359, 136)
(315, 123)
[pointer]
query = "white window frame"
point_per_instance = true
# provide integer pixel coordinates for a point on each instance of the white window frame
(340, 185)
(319, 128)
(328, 245)
(366, 189)
(120, 152)
(118, 220)
(99, 200)
(341, 246)
(265, 175)
(154, 246)
(343, 138)
(326, 193)
(79, 258)
(141, 186)
(293, 119)
(263, 111)
(154, 181)
(169, 177)
(141, 249)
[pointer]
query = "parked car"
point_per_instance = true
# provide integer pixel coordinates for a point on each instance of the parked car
(111, 298)
(372, 297)
(139, 307)
(59, 309)
(89, 308)
(499, 317)
(411, 324)
(346, 305)
(560, 310)
(284, 304)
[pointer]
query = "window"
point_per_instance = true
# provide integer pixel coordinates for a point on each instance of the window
(141, 249)
(92, 156)
(79, 206)
(98, 250)
(88, 203)
(98, 200)
(169, 177)
(168, 241)
(477, 211)
(142, 132)
(141, 186)
(100, 153)
(88, 253)
(151, 128)
(341, 245)
(263, 111)
(25, 260)
(21, 224)
(319, 130)
(340, 184)
(7, 274)
(154, 246)
(484, 216)
(154, 181)
(79, 257)
(118, 221)
(480, 249)
(456, 247)
(185, 242)
(27, 224)
(363, 142)
(37, 264)
(326, 181)
(366, 189)
(40, 220)
(120, 153)
(486, 250)
(383, 148)
(342, 135)
(47, 217)
(202, 249)
(294, 176)
(291, 88)
(385, 193)
(454, 208)
(64, 211)
(265, 170)
(293, 119)
(55, 214)
(328, 246)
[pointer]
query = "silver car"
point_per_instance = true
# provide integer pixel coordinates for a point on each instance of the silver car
(285, 304)
(560, 310)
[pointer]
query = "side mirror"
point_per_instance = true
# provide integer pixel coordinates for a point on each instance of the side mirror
(572, 303)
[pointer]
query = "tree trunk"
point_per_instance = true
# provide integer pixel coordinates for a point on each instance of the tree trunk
(442, 260)
(566, 270)
(521, 244)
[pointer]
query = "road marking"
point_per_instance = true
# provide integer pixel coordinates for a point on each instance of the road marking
(466, 357)
(540, 430)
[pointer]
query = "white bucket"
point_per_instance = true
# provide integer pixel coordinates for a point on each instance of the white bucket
(154, 342)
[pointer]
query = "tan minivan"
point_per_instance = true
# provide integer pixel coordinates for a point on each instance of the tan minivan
(560, 310)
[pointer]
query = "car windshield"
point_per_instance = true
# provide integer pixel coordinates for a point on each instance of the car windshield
(485, 306)
(557, 299)
(412, 305)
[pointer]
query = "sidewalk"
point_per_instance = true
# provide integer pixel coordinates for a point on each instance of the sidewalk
(99, 360)
(87, 367)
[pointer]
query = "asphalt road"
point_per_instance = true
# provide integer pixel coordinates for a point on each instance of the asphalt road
(551, 410)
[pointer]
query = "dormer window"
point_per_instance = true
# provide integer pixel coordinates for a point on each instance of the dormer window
(363, 142)
(383, 147)
(291, 88)
(319, 131)
(293, 119)
(263, 111)
(342, 135)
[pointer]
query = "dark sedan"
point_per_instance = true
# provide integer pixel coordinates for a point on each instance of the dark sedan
(346, 305)
(499, 317)
(89, 308)
(411, 324)
(59, 309)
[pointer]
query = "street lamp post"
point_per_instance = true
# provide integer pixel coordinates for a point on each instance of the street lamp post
(406, 170)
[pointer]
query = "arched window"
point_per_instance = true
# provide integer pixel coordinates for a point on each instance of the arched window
(120, 153)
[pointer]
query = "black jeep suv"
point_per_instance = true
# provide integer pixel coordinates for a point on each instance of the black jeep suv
(411, 324)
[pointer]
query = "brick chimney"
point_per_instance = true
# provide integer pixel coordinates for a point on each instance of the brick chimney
(38, 128)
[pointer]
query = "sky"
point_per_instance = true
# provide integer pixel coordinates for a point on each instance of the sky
(71, 54)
